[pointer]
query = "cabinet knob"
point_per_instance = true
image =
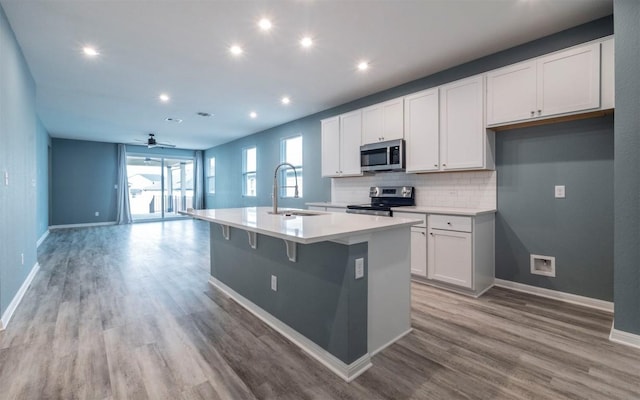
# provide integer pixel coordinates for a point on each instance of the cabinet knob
(435, 165)
(423, 234)
(539, 112)
(431, 233)
(444, 165)
(448, 223)
(532, 113)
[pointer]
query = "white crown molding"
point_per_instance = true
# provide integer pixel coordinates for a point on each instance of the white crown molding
(556, 295)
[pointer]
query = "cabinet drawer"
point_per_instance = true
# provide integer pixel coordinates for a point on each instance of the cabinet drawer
(423, 217)
(450, 222)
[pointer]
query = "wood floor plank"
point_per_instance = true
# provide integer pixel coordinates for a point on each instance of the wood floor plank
(126, 312)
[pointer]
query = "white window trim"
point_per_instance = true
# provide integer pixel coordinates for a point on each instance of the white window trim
(299, 168)
(245, 172)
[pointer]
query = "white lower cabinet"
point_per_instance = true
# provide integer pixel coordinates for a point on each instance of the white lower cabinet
(450, 257)
(461, 252)
(419, 251)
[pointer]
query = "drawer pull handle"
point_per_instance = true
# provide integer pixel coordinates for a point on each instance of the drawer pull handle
(448, 223)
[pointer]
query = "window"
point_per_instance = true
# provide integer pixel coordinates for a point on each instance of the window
(249, 171)
(291, 152)
(211, 177)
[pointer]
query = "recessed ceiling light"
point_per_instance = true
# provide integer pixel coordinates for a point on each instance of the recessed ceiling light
(253, 115)
(90, 51)
(306, 42)
(363, 66)
(265, 24)
(176, 120)
(235, 50)
(286, 100)
(164, 97)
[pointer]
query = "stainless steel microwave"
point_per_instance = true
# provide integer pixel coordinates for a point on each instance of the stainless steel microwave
(382, 156)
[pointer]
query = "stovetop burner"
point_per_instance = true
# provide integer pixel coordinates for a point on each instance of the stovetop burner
(383, 199)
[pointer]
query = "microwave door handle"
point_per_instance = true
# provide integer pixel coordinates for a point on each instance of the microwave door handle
(388, 155)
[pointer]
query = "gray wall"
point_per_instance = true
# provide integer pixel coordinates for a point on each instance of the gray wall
(317, 295)
(83, 178)
(18, 127)
(627, 167)
(229, 155)
(577, 230)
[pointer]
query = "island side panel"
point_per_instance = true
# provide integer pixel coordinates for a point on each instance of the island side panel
(389, 274)
(317, 295)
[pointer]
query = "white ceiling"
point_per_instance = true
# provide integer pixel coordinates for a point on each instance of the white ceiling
(181, 47)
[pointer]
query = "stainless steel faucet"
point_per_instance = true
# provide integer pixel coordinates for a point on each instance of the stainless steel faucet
(274, 196)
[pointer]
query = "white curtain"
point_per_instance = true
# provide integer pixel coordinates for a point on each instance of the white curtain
(123, 215)
(199, 183)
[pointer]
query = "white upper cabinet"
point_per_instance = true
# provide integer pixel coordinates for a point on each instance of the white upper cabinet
(511, 94)
(463, 137)
(350, 141)
(569, 81)
(383, 121)
(341, 138)
(565, 82)
(330, 132)
(422, 131)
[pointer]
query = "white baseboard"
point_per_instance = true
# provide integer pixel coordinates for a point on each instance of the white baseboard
(348, 372)
(81, 225)
(556, 295)
(6, 316)
(626, 338)
(42, 238)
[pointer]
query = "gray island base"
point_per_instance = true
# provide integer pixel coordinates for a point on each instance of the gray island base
(298, 274)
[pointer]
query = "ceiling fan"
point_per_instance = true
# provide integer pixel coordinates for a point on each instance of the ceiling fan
(151, 142)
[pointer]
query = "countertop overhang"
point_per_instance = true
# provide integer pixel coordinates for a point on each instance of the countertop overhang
(302, 229)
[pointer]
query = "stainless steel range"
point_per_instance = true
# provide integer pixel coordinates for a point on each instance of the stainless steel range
(383, 199)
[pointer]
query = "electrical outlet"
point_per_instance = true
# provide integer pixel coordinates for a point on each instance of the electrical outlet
(97, 213)
(6, 178)
(559, 191)
(115, 186)
(22, 258)
(359, 268)
(274, 283)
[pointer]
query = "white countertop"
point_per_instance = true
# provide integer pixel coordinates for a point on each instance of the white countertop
(421, 209)
(300, 229)
(327, 204)
(446, 210)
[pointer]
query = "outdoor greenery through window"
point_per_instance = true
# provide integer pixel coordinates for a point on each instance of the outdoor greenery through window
(249, 171)
(291, 152)
(211, 177)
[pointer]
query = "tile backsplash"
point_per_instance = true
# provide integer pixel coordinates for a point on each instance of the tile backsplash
(469, 189)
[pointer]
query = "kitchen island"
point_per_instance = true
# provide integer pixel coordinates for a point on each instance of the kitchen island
(336, 285)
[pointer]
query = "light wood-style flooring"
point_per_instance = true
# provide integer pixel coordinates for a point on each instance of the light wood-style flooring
(126, 312)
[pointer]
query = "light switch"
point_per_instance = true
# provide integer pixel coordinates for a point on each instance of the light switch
(560, 192)
(359, 268)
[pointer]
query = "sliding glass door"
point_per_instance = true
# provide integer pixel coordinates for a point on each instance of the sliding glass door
(159, 187)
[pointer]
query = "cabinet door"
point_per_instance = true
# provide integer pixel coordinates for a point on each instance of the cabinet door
(450, 257)
(511, 93)
(350, 141)
(330, 131)
(419, 251)
(462, 129)
(372, 124)
(393, 119)
(422, 131)
(569, 81)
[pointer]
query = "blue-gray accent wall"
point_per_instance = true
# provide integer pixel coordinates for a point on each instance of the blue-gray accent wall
(83, 177)
(627, 167)
(229, 155)
(20, 139)
(317, 295)
(576, 230)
